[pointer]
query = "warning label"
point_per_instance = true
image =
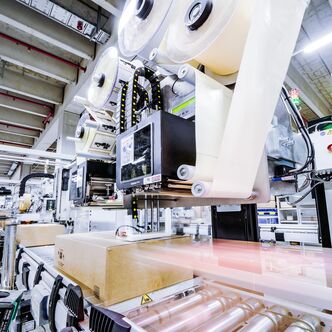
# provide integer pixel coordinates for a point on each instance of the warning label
(146, 299)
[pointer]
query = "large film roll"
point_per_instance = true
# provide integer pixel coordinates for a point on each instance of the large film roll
(103, 78)
(142, 26)
(109, 70)
(269, 47)
(213, 32)
(212, 102)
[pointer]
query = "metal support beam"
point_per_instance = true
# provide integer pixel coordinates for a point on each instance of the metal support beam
(107, 5)
(37, 62)
(22, 18)
(31, 87)
(22, 120)
(295, 80)
(18, 104)
(67, 127)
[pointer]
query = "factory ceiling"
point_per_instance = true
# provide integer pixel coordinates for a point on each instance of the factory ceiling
(48, 49)
(45, 48)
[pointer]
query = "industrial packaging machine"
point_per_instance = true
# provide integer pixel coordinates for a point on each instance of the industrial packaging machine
(173, 129)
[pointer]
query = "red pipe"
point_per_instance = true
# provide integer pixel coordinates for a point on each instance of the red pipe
(38, 50)
(26, 100)
(20, 126)
(16, 144)
(48, 118)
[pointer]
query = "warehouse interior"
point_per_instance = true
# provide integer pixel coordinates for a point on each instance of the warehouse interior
(166, 166)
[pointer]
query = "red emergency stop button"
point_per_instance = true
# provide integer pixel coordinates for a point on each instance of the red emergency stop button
(329, 148)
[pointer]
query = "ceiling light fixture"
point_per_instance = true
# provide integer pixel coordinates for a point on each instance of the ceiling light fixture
(319, 43)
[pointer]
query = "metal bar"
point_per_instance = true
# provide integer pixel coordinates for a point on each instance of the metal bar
(34, 152)
(152, 216)
(158, 216)
(38, 50)
(8, 258)
(145, 215)
(29, 160)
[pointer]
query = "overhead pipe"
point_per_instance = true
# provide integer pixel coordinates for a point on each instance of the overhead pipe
(48, 118)
(27, 100)
(36, 152)
(29, 160)
(38, 50)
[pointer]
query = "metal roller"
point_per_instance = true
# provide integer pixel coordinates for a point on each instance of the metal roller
(188, 320)
(305, 323)
(8, 258)
(169, 310)
(268, 321)
(229, 320)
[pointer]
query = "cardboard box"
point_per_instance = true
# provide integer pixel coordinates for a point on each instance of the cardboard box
(116, 270)
(38, 234)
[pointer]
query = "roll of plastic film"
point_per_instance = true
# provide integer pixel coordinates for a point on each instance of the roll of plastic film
(142, 26)
(103, 78)
(212, 102)
(268, 50)
(109, 71)
(213, 32)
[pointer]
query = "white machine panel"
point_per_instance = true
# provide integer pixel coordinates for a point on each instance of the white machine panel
(322, 141)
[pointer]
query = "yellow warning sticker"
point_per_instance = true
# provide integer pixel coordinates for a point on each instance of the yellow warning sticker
(146, 299)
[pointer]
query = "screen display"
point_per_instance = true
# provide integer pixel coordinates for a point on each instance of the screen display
(136, 154)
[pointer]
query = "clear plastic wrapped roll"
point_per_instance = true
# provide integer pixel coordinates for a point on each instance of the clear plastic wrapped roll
(103, 78)
(142, 25)
(213, 32)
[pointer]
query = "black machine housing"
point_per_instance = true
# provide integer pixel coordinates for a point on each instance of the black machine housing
(82, 176)
(149, 153)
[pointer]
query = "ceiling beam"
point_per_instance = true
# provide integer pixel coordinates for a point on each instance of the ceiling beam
(31, 87)
(11, 138)
(107, 5)
(27, 20)
(37, 62)
(18, 131)
(37, 43)
(296, 81)
(20, 119)
(10, 143)
(22, 105)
